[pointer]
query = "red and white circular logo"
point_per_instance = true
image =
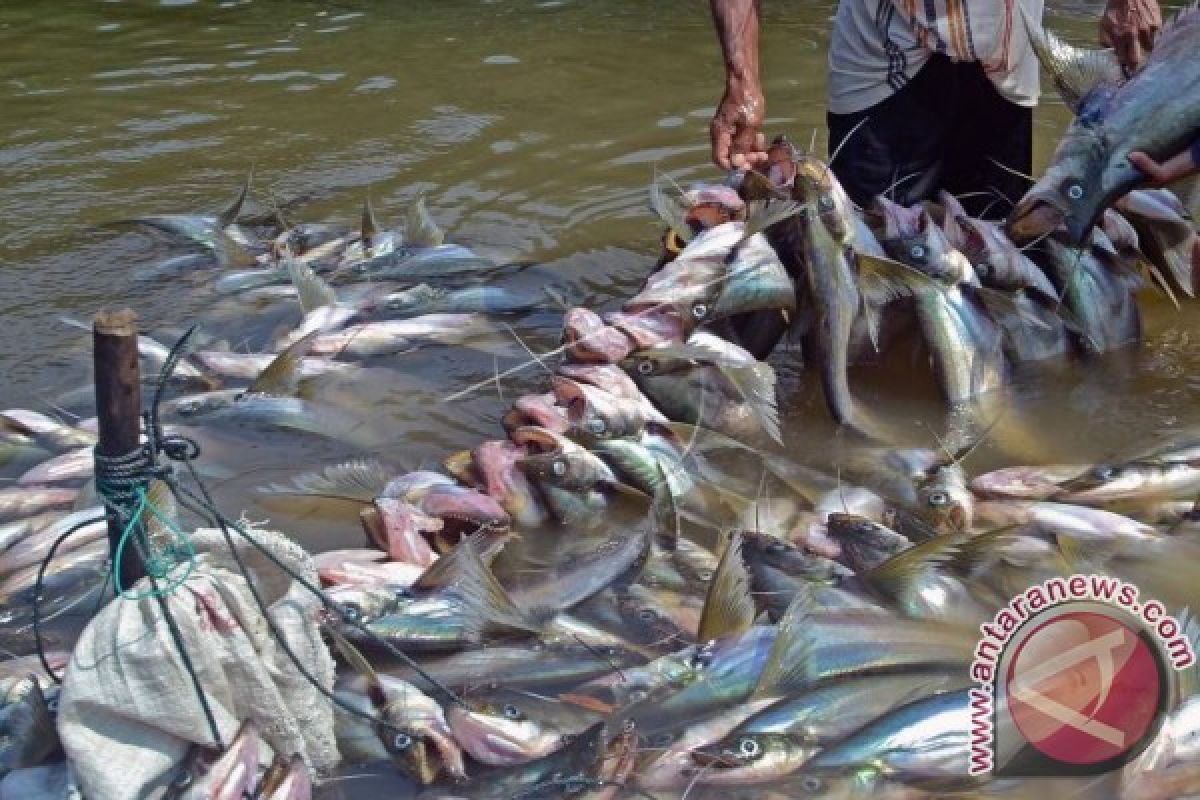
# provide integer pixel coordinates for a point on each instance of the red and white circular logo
(1084, 688)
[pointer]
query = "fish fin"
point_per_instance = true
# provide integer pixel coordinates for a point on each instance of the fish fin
(787, 666)
(359, 663)
(229, 252)
(871, 314)
(419, 228)
(281, 377)
(361, 480)
(1070, 554)
(488, 604)
(668, 522)
(756, 384)
(368, 226)
(884, 279)
(668, 210)
(1000, 304)
(894, 576)
(761, 215)
(1159, 281)
(975, 552)
(1076, 72)
(729, 607)
(314, 291)
(231, 212)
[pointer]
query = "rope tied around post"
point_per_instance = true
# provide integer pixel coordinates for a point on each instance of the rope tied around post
(124, 482)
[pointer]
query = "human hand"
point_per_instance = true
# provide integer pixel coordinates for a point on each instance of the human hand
(1129, 27)
(1155, 172)
(737, 142)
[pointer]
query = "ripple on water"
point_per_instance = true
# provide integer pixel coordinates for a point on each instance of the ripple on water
(501, 59)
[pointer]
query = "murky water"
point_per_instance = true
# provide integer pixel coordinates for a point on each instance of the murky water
(532, 128)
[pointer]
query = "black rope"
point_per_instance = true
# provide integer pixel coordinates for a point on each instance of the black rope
(37, 593)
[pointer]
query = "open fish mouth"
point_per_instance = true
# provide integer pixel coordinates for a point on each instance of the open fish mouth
(1034, 217)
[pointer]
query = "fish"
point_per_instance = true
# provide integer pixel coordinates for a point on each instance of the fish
(497, 464)
(387, 337)
(73, 465)
(965, 345)
(543, 779)
(596, 413)
(865, 544)
(46, 431)
(31, 550)
(248, 366)
(1095, 288)
(588, 339)
(426, 299)
(27, 500)
(456, 603)
(537, 410)
(1132, 481)
(1165, 234)
(816, 246)
(411, 726)
(779, 740)
(1026, 483)
(1150, 112)
(27, 733)
(646, 329)
(505, 727)
(404, 532)
(927, 739)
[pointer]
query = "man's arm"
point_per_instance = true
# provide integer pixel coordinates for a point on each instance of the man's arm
(1129, 27)
(736, 139)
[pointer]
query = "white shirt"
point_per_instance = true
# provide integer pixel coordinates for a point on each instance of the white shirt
(879, 45)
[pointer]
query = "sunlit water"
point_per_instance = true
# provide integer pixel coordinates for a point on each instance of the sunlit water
(532, 128)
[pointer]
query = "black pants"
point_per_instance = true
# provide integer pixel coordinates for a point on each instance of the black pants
(938, 132)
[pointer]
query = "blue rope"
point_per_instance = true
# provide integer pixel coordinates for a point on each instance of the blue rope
(160, 563)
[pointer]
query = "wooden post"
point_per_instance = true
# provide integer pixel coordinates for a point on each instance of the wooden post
(118, 409)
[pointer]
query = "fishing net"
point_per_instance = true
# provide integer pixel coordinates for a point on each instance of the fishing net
(129, 711)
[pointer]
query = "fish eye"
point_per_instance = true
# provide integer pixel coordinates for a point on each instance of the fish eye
(512, 712)
(559, 467)
(938, 499)
(700, 311)
(1103, 472)
(825, 203)
(705, 575)
(1075, 191)
(183, 780)
(749, 747)
(645, 367)
(811, 784)
(352, 612)
(401, 742)
(776, 547)
(647, 614)
(596, 426)
(917, 251)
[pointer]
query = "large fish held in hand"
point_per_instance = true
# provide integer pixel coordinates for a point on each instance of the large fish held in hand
(1156, 111)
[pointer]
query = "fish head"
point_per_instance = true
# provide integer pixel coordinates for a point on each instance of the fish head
(502, 734)
(588, 338)
(818, 190)
(196, 405)
(361, 604)
(1107, 483)
(895, 221)
(944, 500)
(413, 298)
(595, 413)
(406, 531)
(1072, 193)
(924, 247)
(558, 461)
(463, 512)
(750, 758)
(233, 775)
(288, 780)
(422, 751)
(1028, 483)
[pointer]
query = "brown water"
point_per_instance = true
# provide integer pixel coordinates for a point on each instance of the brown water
(533, 128)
